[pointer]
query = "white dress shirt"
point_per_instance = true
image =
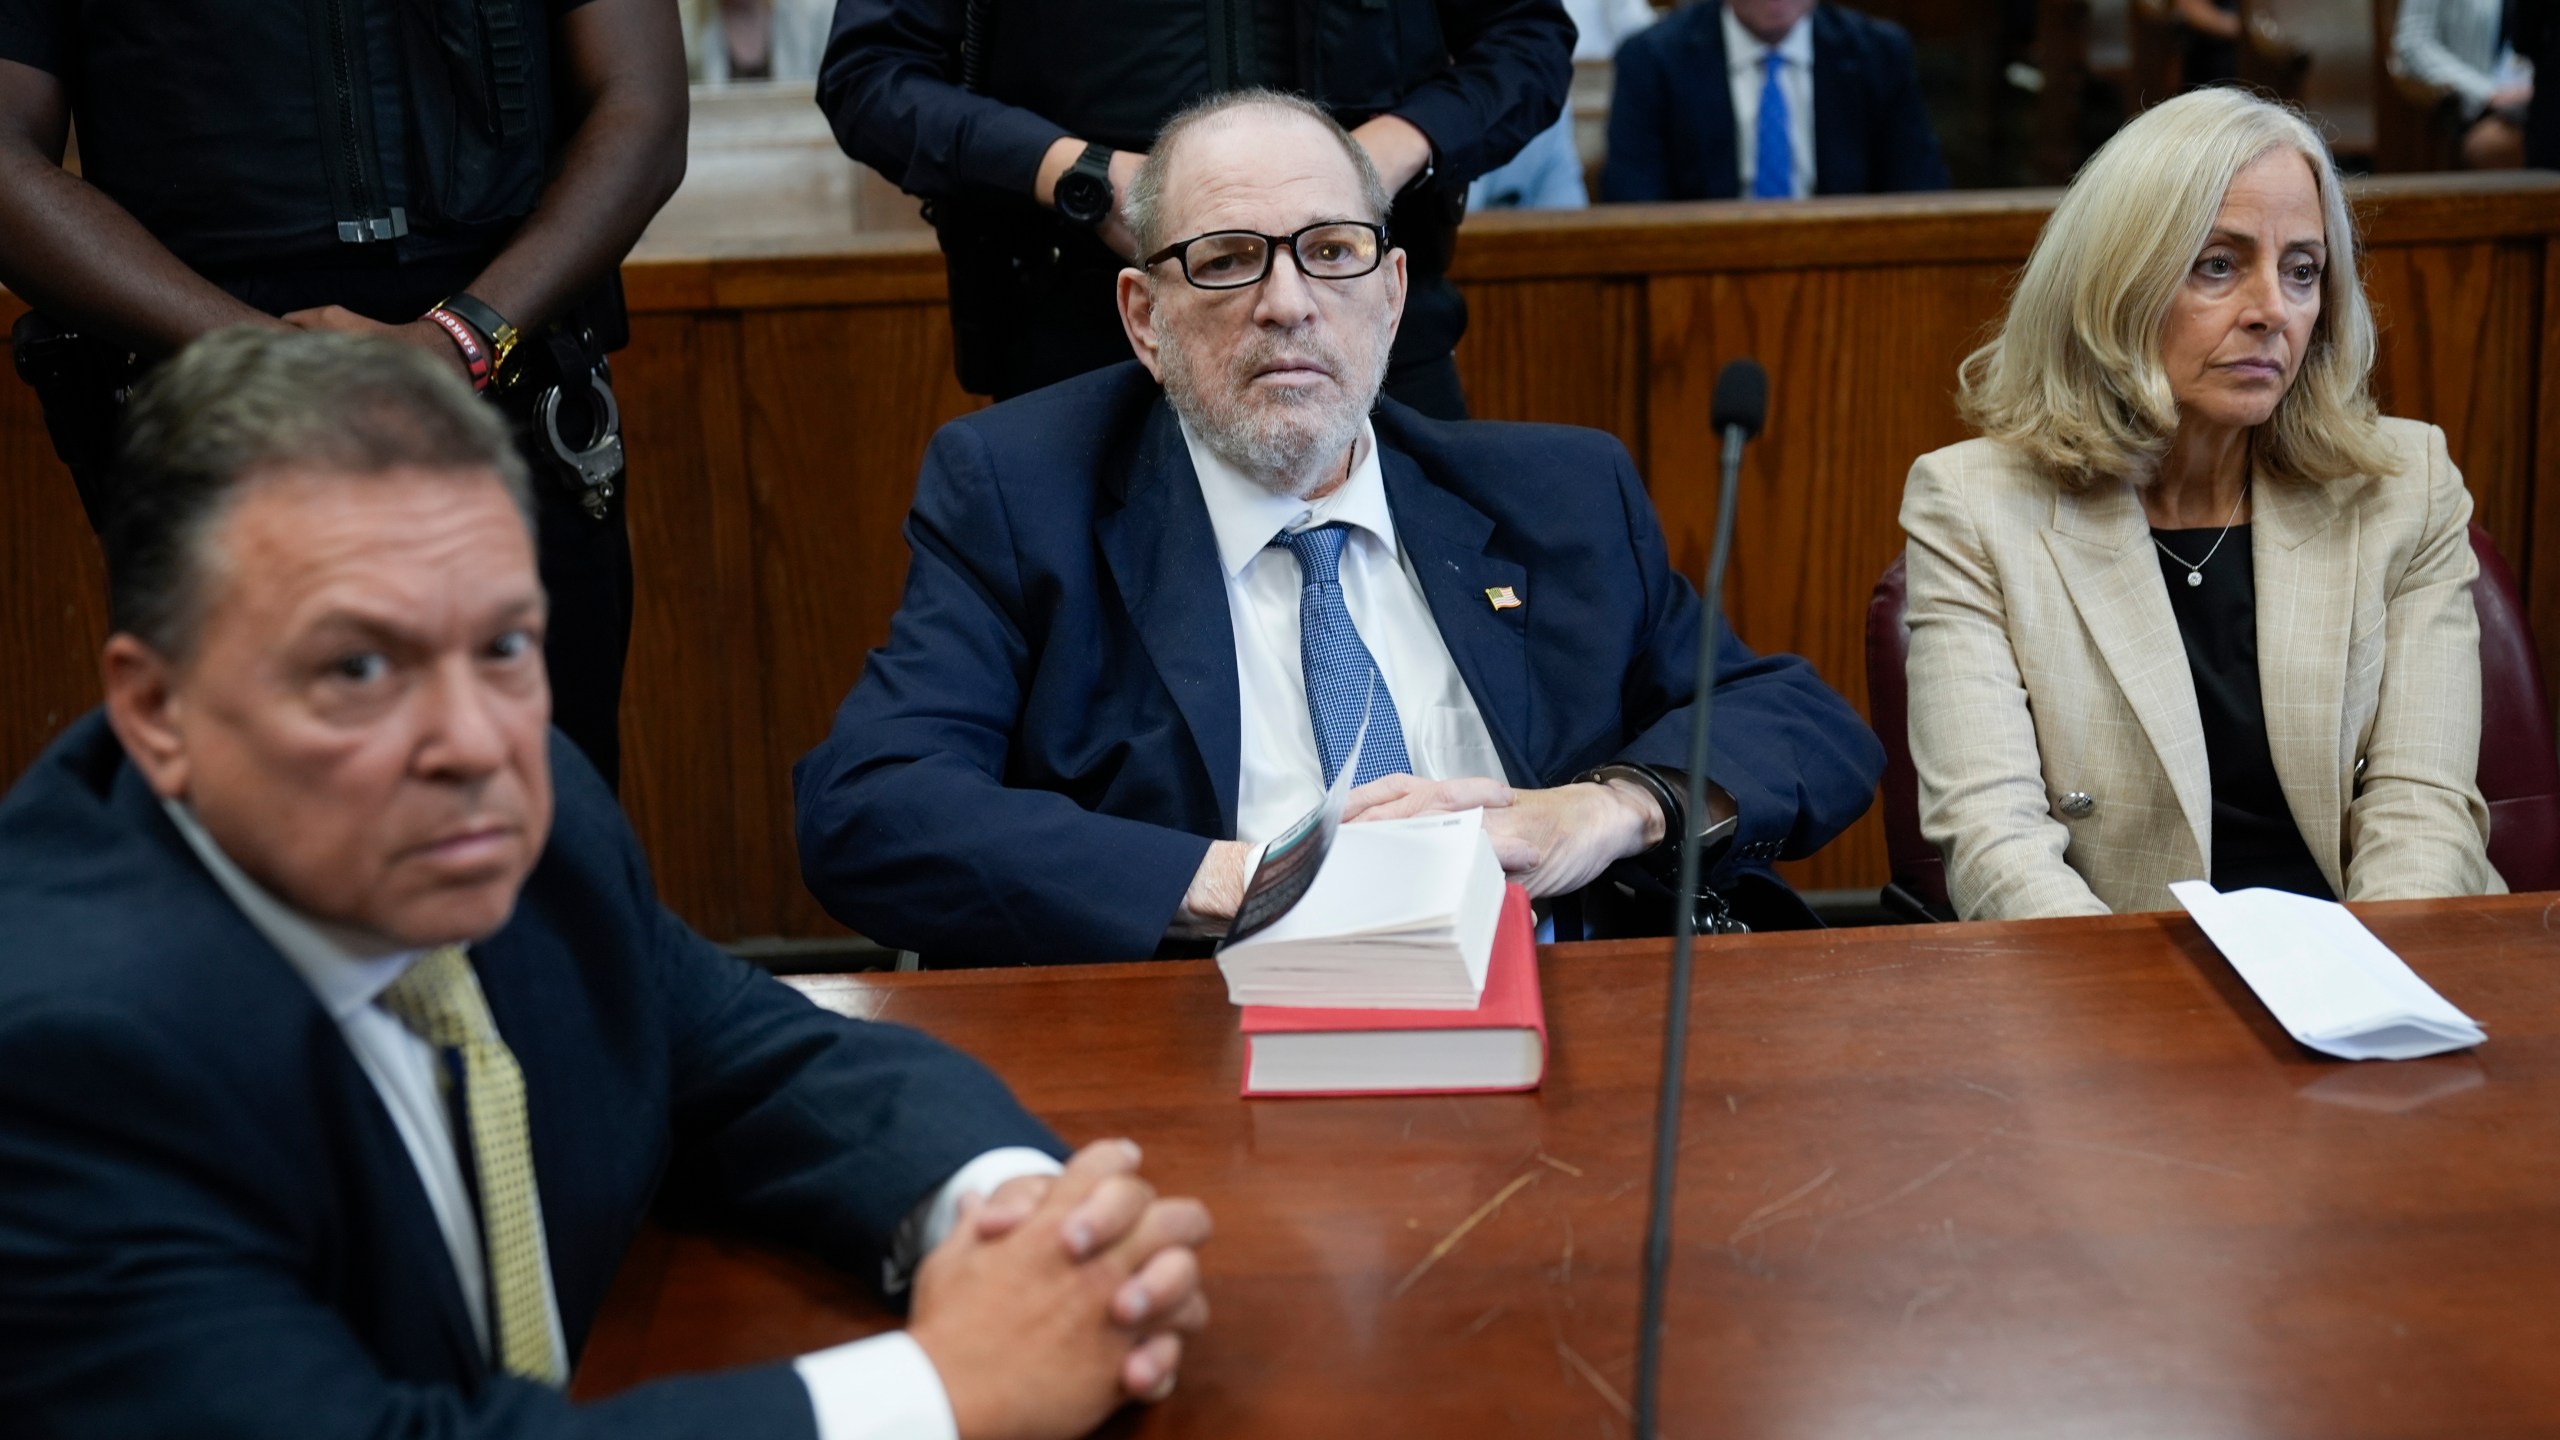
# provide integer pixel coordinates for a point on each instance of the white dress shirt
(1746, 65)
(883, 1388)
(1281, 776)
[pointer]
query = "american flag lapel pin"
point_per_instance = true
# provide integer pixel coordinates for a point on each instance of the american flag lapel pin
(1502, 598)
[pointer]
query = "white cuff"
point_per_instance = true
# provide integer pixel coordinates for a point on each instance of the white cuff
(929, 1222)
(883, 1388)
(982, 1176)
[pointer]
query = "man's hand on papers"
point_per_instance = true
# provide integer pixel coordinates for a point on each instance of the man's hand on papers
(1058, 1297)
(1550, 841)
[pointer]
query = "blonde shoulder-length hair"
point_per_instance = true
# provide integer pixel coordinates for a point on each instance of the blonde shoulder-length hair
(2072, 377)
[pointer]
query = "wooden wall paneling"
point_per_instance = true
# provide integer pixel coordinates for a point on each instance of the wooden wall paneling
(53, 583)
(1569, 352)
(839, 404)
(2458, 327)
(1850, 353)
(1692, 237)
(696, 771)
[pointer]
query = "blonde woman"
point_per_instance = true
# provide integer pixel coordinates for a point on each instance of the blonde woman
(2190, 608)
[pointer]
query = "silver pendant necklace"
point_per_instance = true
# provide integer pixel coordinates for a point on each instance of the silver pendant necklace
(2195, 572)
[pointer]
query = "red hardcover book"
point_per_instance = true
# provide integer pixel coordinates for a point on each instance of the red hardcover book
(1499, 1045)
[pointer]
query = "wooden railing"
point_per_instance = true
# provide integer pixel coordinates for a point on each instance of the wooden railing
(778, 403)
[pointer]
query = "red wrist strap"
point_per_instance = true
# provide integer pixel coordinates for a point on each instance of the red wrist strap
(475, 352)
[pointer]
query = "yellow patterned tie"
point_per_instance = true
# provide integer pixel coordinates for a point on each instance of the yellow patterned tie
(439, 1000)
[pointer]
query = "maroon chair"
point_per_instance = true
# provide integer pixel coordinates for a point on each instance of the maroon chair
(2519, 766)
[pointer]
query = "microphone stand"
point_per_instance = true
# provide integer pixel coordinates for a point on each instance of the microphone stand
(1675, 1029)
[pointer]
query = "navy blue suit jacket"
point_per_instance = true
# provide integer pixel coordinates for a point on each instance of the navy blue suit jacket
(209, 1226)
(1671, 123)
(1034, 765)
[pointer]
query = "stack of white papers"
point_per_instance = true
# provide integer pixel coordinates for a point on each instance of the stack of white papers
(1400, 917)
(2328, 981)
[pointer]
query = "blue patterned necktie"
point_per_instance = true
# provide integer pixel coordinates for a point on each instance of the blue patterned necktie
(1773, 170)
(1339, 670)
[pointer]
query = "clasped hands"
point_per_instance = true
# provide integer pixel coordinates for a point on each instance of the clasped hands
(1056, 1298)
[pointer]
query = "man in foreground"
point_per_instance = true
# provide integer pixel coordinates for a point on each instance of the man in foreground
(338, 1062)
(1148, 609)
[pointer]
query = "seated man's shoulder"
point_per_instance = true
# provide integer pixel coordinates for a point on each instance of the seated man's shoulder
(1488, 455)
(1556, 488)
(102, 914)
(1074, 422)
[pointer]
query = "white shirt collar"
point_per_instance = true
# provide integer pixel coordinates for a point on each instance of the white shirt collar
(345, 971)
(1743, 50)
(1245, 515)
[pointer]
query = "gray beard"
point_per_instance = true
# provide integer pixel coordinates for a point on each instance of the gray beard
(1287, 443)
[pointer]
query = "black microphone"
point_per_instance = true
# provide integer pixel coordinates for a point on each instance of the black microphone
(1741, 404)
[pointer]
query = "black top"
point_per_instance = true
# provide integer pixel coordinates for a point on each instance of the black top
(2255, 840)
(208, 123)
(1481, 78)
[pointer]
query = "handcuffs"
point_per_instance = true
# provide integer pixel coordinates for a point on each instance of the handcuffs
(597, 464)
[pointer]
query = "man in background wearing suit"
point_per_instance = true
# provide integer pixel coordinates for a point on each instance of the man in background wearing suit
(338, 1061)
(1818, 100)
(1148, 608)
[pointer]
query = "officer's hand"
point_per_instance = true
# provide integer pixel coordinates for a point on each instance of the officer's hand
(425, 334)
(1114, 229)
(1397, 147)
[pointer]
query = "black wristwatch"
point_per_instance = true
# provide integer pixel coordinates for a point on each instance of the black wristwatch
(1084, 192)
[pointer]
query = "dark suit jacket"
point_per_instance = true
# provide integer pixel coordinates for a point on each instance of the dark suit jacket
(209, 1226)
(1671, 122)
(1033, 766)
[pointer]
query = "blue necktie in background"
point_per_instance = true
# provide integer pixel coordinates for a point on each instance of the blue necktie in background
(1773, 169)
(1340, 672)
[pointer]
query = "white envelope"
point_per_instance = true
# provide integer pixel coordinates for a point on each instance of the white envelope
(2327, 980)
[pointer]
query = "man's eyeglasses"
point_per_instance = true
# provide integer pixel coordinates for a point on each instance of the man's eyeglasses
(1234, 259)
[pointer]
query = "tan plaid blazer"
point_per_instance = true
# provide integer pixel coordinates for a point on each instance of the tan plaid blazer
(2045, 665)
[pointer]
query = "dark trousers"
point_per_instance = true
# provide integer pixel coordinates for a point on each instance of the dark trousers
(586, 571)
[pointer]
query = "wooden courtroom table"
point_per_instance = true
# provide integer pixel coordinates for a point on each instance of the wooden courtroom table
(2042, 1179)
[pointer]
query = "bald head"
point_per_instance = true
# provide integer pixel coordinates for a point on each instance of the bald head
(1228, 139)
(1275, 373)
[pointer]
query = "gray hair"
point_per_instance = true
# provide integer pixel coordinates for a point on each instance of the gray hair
(243, 404)
(1144, 207)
